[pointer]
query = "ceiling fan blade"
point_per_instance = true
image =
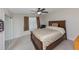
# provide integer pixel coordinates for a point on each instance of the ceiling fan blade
(38, 9)
(42, 9)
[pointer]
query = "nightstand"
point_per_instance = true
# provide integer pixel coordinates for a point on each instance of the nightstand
(43, 26)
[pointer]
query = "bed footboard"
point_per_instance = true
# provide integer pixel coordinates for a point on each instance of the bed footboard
(37, 43)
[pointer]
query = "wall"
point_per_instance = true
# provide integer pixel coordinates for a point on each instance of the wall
(17, 24)
(2, 34)
(43, 20)
(7, 12)
(72, 20)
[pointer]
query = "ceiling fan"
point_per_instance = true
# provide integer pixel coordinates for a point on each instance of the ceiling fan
(40, 11)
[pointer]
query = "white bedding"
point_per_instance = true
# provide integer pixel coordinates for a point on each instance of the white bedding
(49, 35)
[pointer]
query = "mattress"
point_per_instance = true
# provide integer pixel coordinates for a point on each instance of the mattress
(48, 35)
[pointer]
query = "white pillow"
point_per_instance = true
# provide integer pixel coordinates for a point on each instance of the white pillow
(55, 24)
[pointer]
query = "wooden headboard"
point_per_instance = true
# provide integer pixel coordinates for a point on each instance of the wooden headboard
(61, 23)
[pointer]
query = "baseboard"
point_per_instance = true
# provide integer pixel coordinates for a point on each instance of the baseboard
(73, 38)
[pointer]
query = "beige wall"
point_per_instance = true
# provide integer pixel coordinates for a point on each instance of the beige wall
(43, 20)
(72, 20)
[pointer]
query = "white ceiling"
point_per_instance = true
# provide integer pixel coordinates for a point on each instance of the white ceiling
(27, 11)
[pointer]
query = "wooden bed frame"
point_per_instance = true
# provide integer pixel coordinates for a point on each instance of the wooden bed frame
(38, 44)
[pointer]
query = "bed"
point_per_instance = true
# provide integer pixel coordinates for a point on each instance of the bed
(43, 39)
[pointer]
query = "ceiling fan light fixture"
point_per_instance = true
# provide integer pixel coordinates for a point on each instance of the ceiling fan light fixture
(38, 13)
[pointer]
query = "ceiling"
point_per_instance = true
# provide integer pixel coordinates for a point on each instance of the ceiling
(27, 11)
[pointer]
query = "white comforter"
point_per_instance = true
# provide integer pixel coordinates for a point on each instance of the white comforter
(49, 35)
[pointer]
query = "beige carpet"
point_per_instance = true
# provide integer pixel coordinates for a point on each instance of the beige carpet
(25, 43)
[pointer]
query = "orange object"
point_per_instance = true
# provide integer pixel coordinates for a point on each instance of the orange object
(76, 43)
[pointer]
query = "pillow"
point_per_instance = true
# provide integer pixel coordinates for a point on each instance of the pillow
(55, 24)
(76, 43)
(57, 28)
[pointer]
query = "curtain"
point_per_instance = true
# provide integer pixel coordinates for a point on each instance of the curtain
(32, 23)
(26, 23)
(38, 22)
